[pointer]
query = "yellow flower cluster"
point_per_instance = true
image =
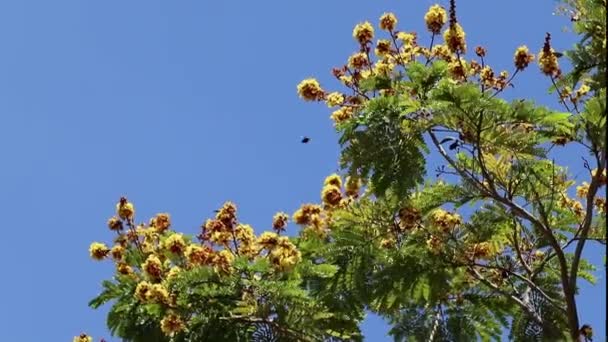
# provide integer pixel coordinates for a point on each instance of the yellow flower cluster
(310, 90)
(82, 338)
(547, 60)
(388, 21)
(167, 254)
(435, 18)
(482, 250)
(334, 99)
(363, 33)
(582, 190)
(454, 38)
(98, 251)
(445, 221)
(342, 115)
(171, 324)
(522, 57)
(409, 218)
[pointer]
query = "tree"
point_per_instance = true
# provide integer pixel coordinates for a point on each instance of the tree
(385, 239)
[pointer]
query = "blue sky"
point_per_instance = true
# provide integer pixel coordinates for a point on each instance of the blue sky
(180, 106)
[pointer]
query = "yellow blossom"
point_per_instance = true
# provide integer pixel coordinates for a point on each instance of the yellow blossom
(358, 60)
(268, 240)
(331, 195)
(98, 250)
(114, 223)
(198, 255)
(171, 324)
(303, 215)
(310, 90)
(387, 243)
(158, 294)
(333, 179)
(117, 252)
(279, 221)
(82, 338)
(388, 21)
(435, 18)
(454, 37)
(161, 222)
(582, 91)
(124, 268)
(334, 99)
(363, 32)
(408, 39)
(341, 115)
(384, 68)
(175, 244)
(383, 47)
(582, 190)
(487, 75)
(522, 57)
(152, 267)
(142, 291)
(124, 209)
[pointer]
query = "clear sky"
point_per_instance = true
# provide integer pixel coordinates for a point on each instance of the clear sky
(181, 105)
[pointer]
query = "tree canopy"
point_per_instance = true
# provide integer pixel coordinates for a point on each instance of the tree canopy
(494, 242)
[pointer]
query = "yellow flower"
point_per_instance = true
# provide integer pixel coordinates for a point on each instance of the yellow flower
(434, 245)
(124, 268)
(522, 57)
(435, 18)
(442, 52)
(125, 209)
(310, 90)
(114, 223)
(142, 291)
(331, 195)
(153, 267)
(117, 252)
(363, 32)
(408, 39)
(388, 21)
(358, 60)
(444, 220)
(82, 338)
(171, 324)
(161, 222)
(454, 38)
(582, 190)
(98, 250)
(384, 68)
(175, 244)
(346, 80)
(333, 179)
(223, 260)
(268, 240)
(158, 294)
(548, 63)
(458, 69)
(341, 115)
(334, 99)
(279, 221)
(303, 215)
(383, 47)
(198, 255)
(582, 91)
(487, 76)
